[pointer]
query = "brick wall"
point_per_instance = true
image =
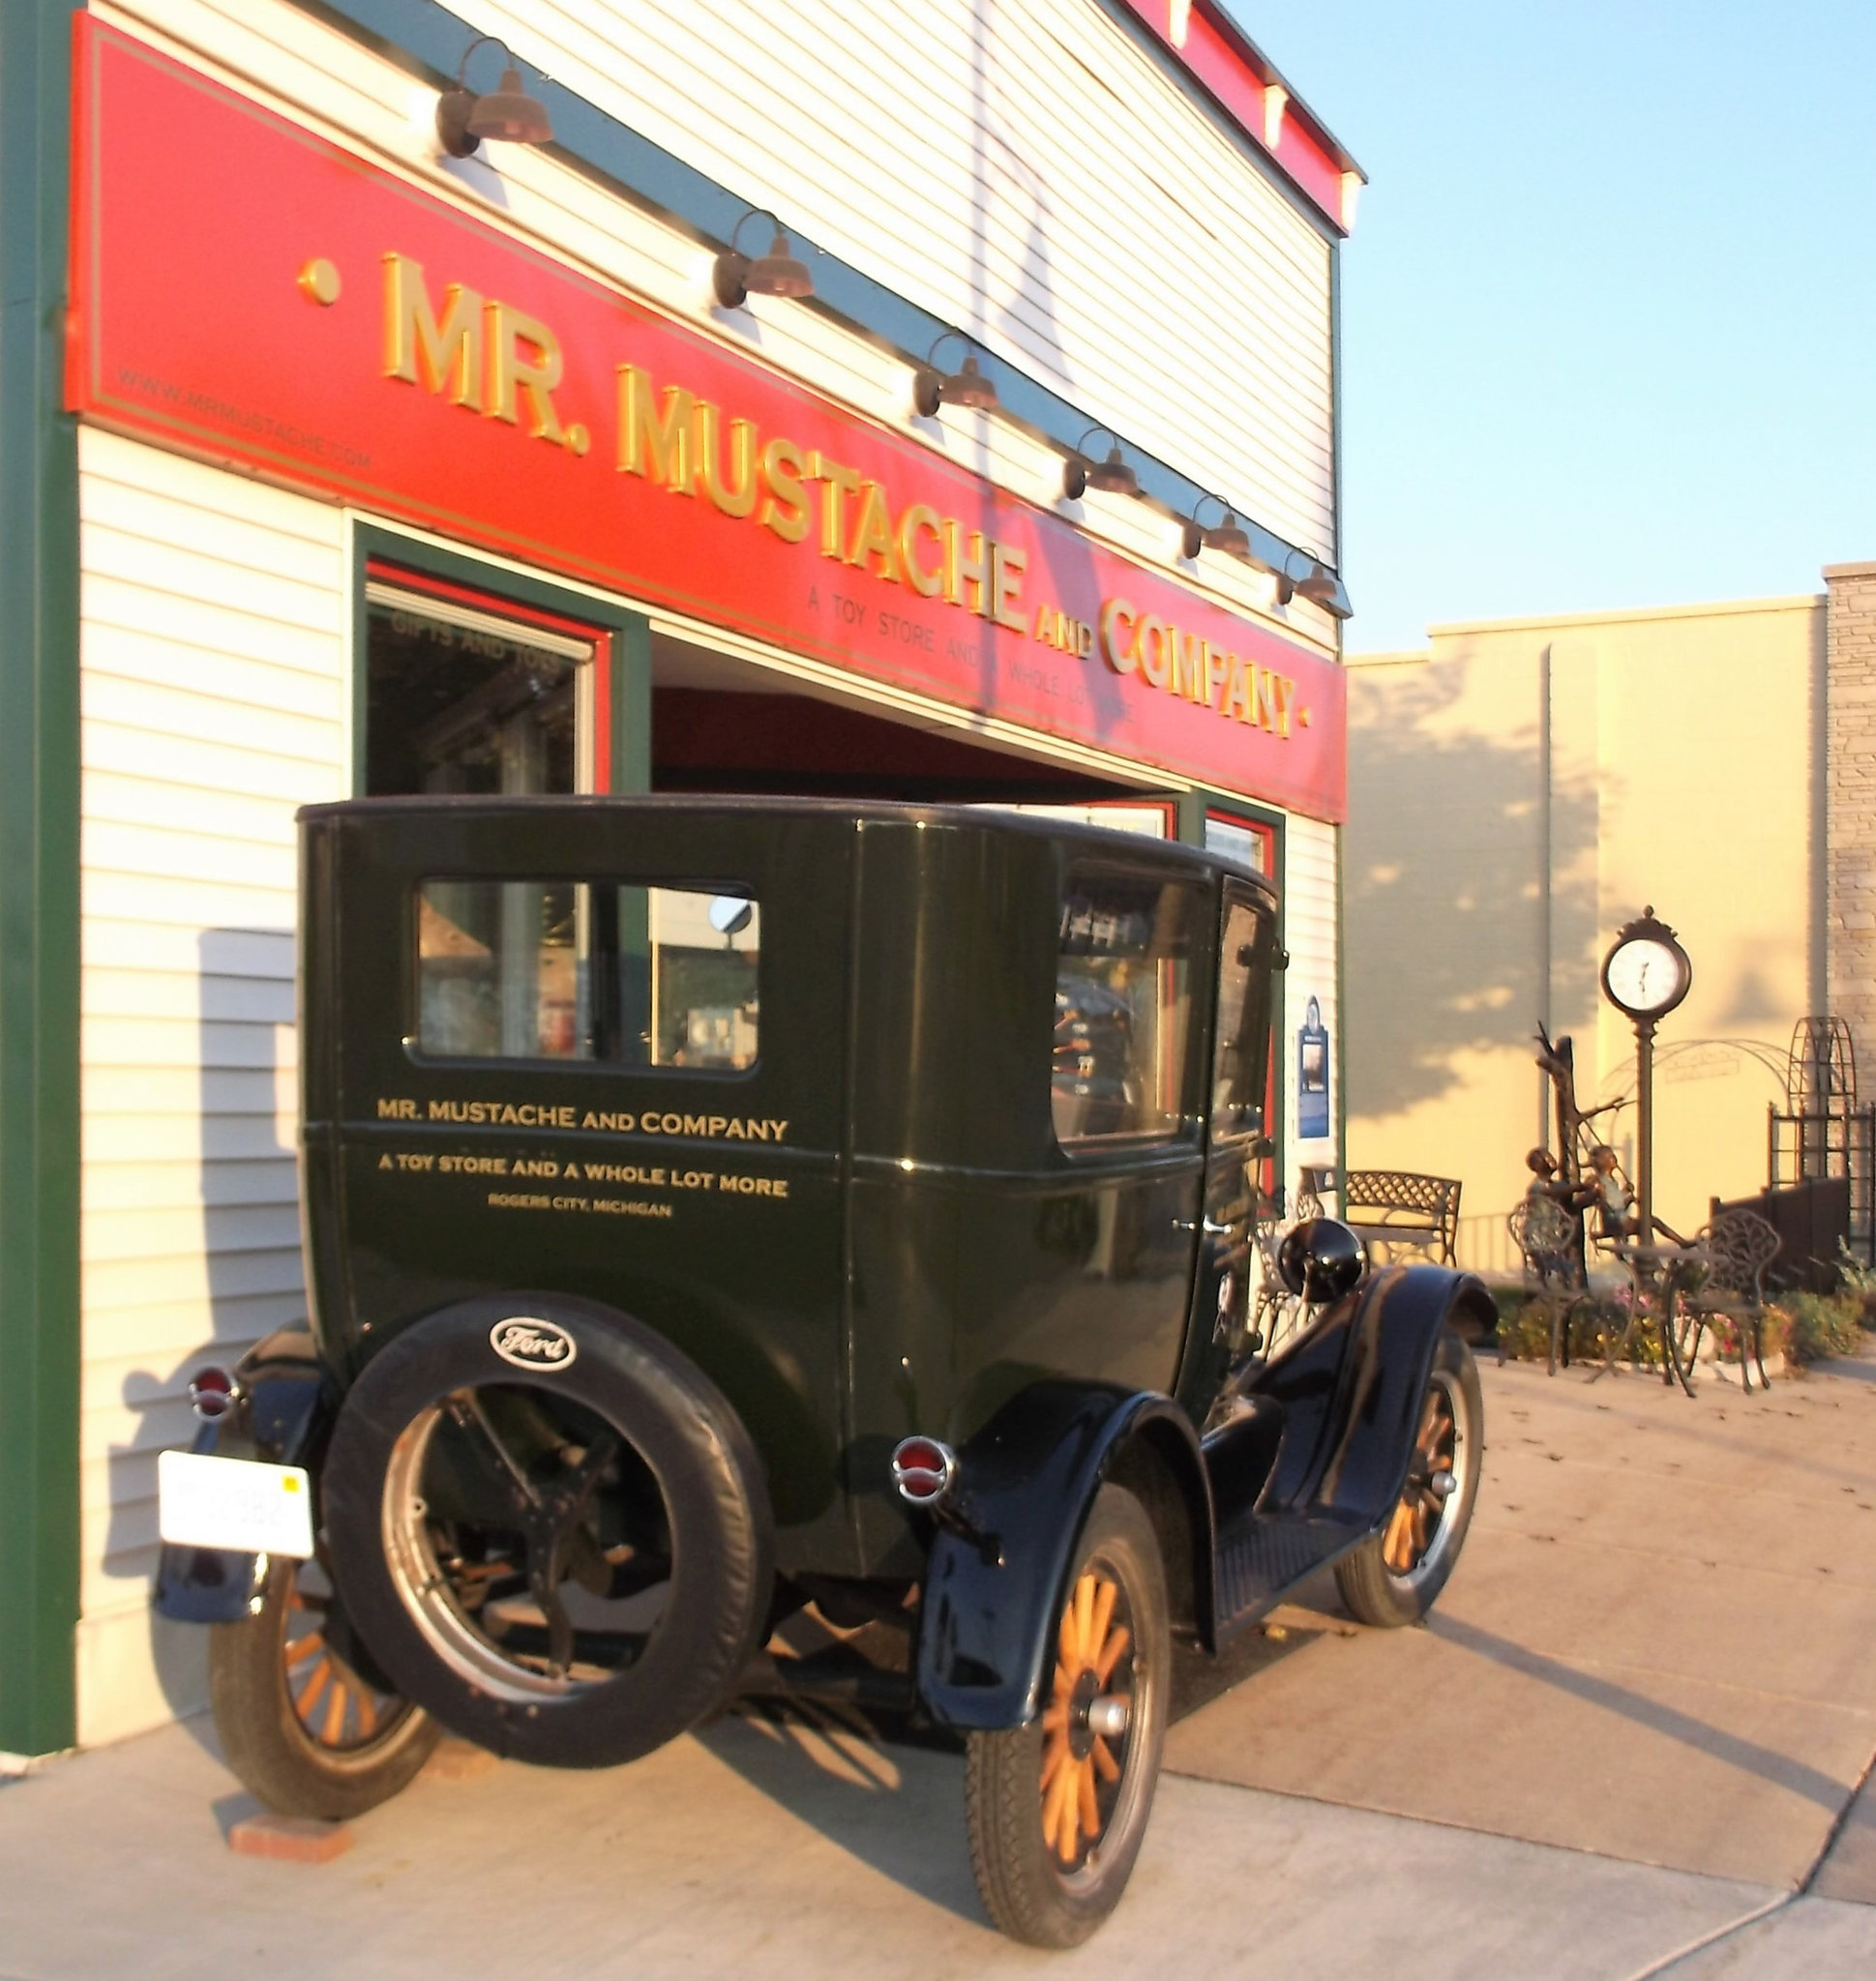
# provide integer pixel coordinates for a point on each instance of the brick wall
(1850, 659)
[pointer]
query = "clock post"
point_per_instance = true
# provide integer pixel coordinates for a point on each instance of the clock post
(1645, 975)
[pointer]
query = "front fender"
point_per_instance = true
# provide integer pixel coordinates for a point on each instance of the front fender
(1352, 1391)
(995, 1583)
(283, 1416)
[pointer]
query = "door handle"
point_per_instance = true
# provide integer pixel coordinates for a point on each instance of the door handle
(1210, 1228)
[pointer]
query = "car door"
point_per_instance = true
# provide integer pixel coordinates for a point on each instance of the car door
(1236, 1146)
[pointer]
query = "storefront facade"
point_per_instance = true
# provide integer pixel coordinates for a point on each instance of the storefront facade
(342, 465)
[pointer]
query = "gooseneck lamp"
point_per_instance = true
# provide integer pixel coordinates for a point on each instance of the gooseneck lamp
(1112, 476)
(464, 119)
(967, 386)
(735, 276)
(1227, 535)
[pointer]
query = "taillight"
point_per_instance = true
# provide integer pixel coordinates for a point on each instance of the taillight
(923, 1470)
(213, 1393)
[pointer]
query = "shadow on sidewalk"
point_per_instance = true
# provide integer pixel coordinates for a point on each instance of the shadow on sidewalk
(898, 1808)
(1779, 1769)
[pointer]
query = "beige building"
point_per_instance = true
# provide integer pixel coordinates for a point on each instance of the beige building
(1520, 788)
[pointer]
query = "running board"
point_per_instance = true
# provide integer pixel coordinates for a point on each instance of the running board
(1263, 1557)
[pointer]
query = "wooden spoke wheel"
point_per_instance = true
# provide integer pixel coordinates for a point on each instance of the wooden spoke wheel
(305, 1720)
(1393, 1577)
(337, 1708)
(1056, 1809)
(1415, 1525)
(1092, 1690)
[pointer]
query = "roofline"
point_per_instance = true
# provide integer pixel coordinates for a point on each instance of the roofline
(1271, 72)
(1247, 89)
(1718, 608)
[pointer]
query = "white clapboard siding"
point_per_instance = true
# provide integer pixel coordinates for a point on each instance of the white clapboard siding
(1309, 934)
(1026, 171)
(1020, 168)
(213, 700)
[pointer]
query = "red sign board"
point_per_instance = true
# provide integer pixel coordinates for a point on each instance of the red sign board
(262, 297)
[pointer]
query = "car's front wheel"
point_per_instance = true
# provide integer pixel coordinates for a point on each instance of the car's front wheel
(1057, 1810)
(1395, 1575)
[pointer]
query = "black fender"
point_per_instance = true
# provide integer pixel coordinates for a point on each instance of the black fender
(996, 1575)
(1351, 1388)
(283, 1414)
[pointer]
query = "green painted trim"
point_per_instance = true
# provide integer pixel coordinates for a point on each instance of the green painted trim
(39, 895)
(1195, 807)
(1340, 1074)
(630, 742)
(631, 704)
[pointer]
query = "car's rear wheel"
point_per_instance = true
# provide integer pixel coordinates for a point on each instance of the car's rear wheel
(1057, 1810)
(305, 1721)
(1395, 1575)
(552, 1527)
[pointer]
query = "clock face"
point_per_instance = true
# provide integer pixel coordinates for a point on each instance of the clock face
(1645, 975)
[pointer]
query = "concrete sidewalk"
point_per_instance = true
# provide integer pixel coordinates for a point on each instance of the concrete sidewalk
(1660, 1643)
(1626, 1747)
(758, 1852)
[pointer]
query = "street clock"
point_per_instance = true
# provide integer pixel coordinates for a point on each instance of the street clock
(1647, 972)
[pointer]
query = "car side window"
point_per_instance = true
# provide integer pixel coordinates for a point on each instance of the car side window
(579, 970)
(1124, 1007)
(1240, 1063)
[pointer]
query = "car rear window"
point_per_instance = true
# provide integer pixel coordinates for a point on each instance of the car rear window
(611, 974)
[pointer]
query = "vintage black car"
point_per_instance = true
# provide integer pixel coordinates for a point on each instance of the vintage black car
(722, 1213)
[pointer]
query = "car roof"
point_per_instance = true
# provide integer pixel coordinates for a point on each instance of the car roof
(989, 817)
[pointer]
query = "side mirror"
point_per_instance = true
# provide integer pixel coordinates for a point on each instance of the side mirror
(1320, 1259)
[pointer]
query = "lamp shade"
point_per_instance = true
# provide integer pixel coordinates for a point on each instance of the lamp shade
(778, 273)
(967, 387)
(1228, 535)
(509, 112)
(1320, 588)
(1113, 476)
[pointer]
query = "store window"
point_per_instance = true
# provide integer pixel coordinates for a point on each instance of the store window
(1254, 846)
(1124, 1007)
(1240, 1065)
(577, 970)
(467, 693)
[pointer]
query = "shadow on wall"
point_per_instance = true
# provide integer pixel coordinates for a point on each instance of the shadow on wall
(1444, 863)
(248, 1259)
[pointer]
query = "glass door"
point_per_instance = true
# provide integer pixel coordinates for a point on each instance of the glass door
(467, 693)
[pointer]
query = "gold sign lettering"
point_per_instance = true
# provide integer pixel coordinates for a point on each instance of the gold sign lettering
(419, 351)
(493, 358)
(524, 362)
(655, 443)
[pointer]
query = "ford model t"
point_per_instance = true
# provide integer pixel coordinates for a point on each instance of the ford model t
(721, 1213)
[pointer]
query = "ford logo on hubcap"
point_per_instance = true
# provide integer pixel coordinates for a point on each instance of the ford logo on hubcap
(530, 1343)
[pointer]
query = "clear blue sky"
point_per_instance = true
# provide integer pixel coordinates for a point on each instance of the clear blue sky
(1609, 311)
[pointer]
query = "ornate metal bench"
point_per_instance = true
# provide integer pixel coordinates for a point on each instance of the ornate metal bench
(1397, 1208)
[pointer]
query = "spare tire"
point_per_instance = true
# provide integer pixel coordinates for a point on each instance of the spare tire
(550, 1528)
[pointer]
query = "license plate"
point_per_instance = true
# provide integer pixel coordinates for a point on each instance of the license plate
(239, 1503)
